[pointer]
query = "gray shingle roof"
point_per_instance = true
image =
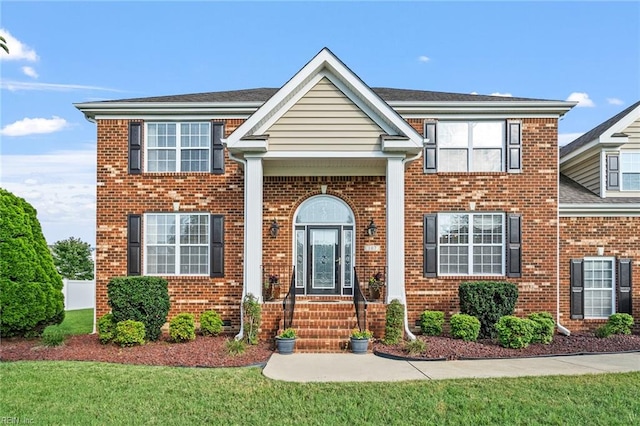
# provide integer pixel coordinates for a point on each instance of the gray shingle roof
(571, 192)
(264, 93)
(596, 132)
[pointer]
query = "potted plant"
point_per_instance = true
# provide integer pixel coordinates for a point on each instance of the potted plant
(274, 284)
(267, 291)
(375, 285)
(360, 340)
(286, 341)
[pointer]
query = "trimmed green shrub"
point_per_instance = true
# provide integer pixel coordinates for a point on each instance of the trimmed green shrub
(514, 332)
(182, 328)
(465, 327)
(488, 301)
(235, 347)
(144, 299)
(415, 347)
(30, 287)
(617, 324)
(252, 312)
(210, 323)
(544, 327)
(620, 323)
(53, 337)
(106, 328)
(130, 333)
(431, 323)
(393, 330)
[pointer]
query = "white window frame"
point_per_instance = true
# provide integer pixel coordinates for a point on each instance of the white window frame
(176, 245)
(586, 290)
(623, 171)
(470, 146)
(178, 148)
(470, 245)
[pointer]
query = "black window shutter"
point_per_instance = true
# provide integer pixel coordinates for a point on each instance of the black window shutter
(624, 286)
(613, 172)
(134, 239)
(430, 245)
(135, 148)
(430, 148)
(514, 146)
(217, 246)
(217, 148)
(577, 290)
(514, 246)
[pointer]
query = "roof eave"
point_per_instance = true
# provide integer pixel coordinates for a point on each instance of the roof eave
(556, 108)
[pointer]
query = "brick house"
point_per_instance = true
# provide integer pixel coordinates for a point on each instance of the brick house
(600, 221)
(326, 185)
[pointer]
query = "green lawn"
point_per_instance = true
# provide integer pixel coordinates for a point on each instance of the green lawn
(96, 393)
(76, 322)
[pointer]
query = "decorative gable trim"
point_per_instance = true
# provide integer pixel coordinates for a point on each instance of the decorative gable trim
(324, 65)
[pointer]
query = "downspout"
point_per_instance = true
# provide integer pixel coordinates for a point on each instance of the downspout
(95, 270)
(410, 335)
(240, 334)
(560, 327)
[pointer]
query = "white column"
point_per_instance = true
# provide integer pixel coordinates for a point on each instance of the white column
(395, 229)
(253, 226)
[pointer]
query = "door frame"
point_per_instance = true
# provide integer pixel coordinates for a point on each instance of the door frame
(337, 269)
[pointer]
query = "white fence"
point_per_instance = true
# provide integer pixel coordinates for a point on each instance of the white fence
(79, 294)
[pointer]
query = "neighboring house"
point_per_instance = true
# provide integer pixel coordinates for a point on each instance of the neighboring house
(221, 192)
(600, 221)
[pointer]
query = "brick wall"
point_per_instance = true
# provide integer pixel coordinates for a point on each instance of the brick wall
(532, 193)
(580, 237)
(120, 193)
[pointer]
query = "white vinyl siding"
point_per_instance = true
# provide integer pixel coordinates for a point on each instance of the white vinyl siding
(176, 244)
(599, 279)
(586, 171)
(325, 119)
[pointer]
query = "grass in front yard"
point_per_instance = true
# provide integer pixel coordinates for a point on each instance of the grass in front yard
(76, 322)
(95, 393)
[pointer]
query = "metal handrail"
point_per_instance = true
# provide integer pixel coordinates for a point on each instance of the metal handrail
(359, 302)
(289, 302)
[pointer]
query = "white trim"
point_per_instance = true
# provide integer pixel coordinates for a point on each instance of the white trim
(619, 126)
(180, 115)
(274, 155)
(599, 210)
(613, 283)
(253, 193)
(300, 84)
(395, 230)
(603, 174)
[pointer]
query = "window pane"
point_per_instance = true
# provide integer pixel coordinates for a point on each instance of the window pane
(194, 229)
(160, 260)
(194, 260)
(300, 270)
(195, 135)
(324, 209)
(161, 160)
(454, 260)
(453, 228)
(488, 134)
(348, 267)
(487, 160)
(452, 160)
(194, 160)
(631, 181)
(160, 229)
(453, 135)
(487, 260)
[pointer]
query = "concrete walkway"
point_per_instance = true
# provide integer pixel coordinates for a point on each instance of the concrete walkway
(347, 367)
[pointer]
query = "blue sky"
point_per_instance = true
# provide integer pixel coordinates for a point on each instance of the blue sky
(66, 52)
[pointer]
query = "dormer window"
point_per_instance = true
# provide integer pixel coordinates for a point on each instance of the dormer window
(630, 171)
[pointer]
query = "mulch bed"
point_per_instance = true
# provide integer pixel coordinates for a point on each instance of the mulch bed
(211, 351)
(205, 351)
(445, 348)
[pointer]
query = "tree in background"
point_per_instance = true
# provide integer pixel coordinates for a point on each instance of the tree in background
(3, 44)
(72, 258)
(30, 287)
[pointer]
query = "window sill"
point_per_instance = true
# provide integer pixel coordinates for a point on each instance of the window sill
(473, 277)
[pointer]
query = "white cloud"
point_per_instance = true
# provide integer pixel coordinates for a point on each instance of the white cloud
(30, 72)
(17, 49)
(61, 186)
(14, 86)
(423, 58)
(505, 95)
(615, 101)
(582, 98)
(565, 138)
(30, 126)
(473, 93)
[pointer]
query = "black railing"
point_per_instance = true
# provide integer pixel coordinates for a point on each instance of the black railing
(359, 302)
(374, 282)
(289, 302)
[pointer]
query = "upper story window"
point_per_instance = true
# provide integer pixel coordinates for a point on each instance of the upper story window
(630, 170)
(178, 147)
(472, 146)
